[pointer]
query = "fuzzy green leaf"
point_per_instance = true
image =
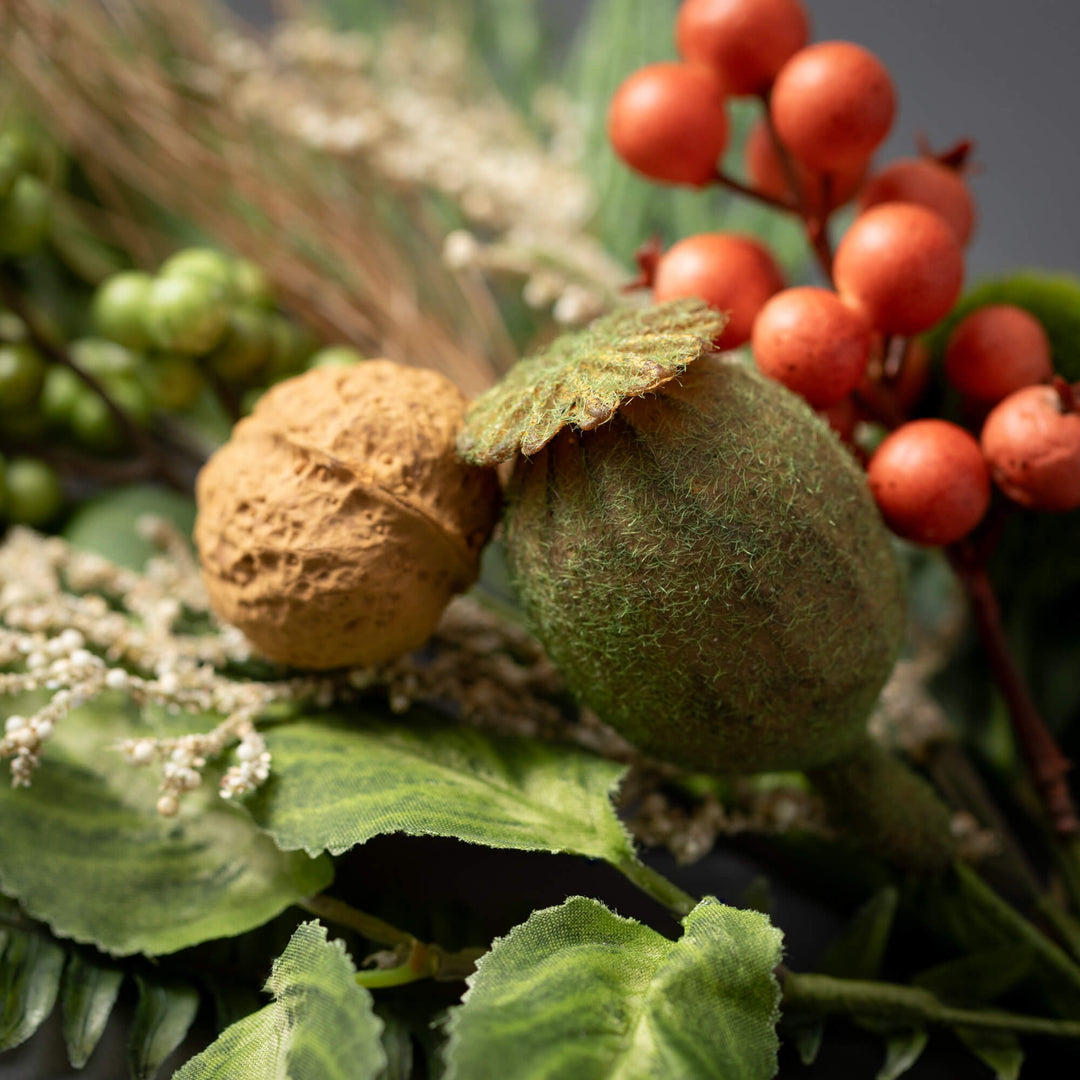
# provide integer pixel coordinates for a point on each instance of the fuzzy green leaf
(85, 851)
(902, 1050)
(1000, 1050)
(108, 524)
(320, 1025)
(578, 991)
(30, 968)
(858, 951)
(582, 377)
(337, 782)
(163, 1015)
(87, 998)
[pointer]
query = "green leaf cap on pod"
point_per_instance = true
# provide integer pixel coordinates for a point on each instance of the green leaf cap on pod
(582, 378)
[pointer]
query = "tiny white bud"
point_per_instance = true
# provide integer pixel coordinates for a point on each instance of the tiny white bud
(116, 678)
(71, 639)
(44, 728)
(82, 657)
(168, 805)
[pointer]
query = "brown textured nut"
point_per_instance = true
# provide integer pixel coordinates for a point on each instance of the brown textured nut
(337, 522)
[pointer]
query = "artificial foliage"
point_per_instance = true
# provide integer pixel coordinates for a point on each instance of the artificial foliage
(690, 694)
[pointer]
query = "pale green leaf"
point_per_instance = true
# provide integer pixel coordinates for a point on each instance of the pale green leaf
(85, 851)
(339, 781)
(163, 1015)
(1000, 1050)
(577, 991)
(108, 525)
(858, 951)
(980, 977)
(808, 1038)
(30, 970)
(902, 1050)
(87, 998)
(320, 1025)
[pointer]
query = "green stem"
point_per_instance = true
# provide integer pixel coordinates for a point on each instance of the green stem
(824, 995)
(326, 907)
(1068, 860)
(656, 885)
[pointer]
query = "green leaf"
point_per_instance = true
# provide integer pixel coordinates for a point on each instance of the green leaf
(339, 781)
(578, 991)
(319, 1027)
(860, 948)
(902, 1050)
(108, 526)
(87, 998)
(163, 1015)
(979, 978)
(30, 970)
(1000, 1050)
(808, 1038)
(85, 851)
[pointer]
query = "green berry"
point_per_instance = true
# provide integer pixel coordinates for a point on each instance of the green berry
(34, 494)
(336, 356)
(22, 372)
(247, 348)
(292, 346)
(59, 394)
(203, 264)
(252, 285)
(103, 358)
(119, 307)
(24, 216)
(186, 314)
(12, 328)
(174, 382)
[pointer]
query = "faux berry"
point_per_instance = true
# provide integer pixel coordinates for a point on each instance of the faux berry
(667, 121)
(336, 356)
(996, 350)
(34, 495)
(251, 284)
(22, 372)
(247, 347)
(730, 272)
(173, 382)
(901, 264)
(930, 481)
(823, 191)
(1033, 446)
(812, 342)
(842, 416)
(186, 314)
(833, 104)
(206, 264)
(119, 306)
(24, 216)
(747, 41)
(928, 183)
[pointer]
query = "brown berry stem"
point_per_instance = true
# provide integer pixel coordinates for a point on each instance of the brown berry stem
(728, 181)
(955, 157)
(1067, 394)
(647, 257)
(1046, 764)
(161, 464)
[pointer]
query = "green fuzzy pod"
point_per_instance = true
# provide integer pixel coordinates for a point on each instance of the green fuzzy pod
(710, 575)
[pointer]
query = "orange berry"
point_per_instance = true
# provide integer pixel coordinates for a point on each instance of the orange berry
(833, 104)
(747, 41)
(930, 481)
(1033, 448)
(924, 182)
(730, 272)
(766, 172)
(902, 265)
(842, 416)
(812, 342)
(996, 350)
(667, 121)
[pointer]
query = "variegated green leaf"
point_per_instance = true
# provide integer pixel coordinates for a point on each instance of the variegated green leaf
(87, 998)
(163, 1015)
(30, 967)
(319, 1027)
(338, 781)
(577, 991)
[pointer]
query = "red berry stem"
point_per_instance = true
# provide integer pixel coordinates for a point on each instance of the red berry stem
(728, 181)
(647, 258)
(1067, 394)
(1046, 764)
(955, 157)
(817, 225)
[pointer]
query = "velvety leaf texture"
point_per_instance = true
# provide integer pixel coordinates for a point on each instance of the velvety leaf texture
(85, 851)
(578, 991)
(320, 1025)
(583, 377)
(337, 782)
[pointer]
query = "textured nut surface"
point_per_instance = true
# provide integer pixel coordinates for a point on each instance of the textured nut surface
(337, 522)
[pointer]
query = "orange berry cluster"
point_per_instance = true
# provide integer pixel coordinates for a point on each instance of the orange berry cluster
(848, 348)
